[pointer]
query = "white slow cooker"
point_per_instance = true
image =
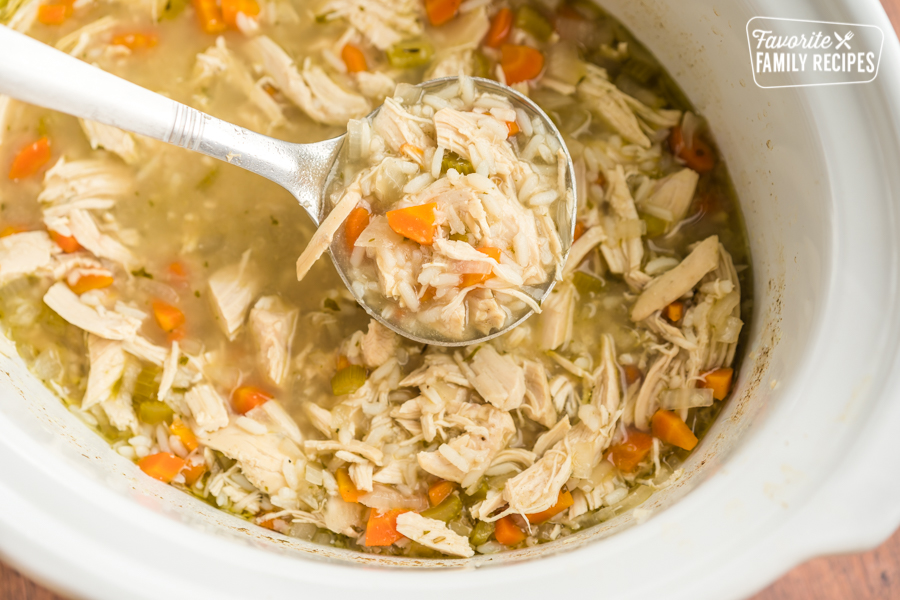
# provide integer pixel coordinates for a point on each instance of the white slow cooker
(799, 464)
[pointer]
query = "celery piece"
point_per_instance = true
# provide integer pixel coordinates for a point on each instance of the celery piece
(586, 283)
(452, 160)
(655, 226)
(445, 511)
(154, 412)
(410, 55)
(348, 380)
(482, 533)
(533, 23)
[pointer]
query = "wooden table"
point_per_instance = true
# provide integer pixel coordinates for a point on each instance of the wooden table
(873, 575)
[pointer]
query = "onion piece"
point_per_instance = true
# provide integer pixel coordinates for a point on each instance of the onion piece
(686, 398)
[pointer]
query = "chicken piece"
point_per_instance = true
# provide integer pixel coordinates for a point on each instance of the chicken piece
(623, 248)
(433, 534)
(262, 458)
(557, 318)
(353, 447)
(83, 228)
(647, 400)
(324, 235)
(311, 90)
(465, 32)
(550, 438)
(608, 104)
(119, 407)
(107, 365)
(465, 458)
(76, 42)
(485, 313)
(674, 193)
(398, 127)
(231, 290)
(23, 254)
(452, 64)
(207, 407)
(537, 488)
(111, 139)
(361, 475)
(673, 284)
(477, 138)
(382, 22)
(343, 517)
(170, 370)
(498, 379)
(110, 325)
(9, 113)
(279, 420)
(88, 184)
(538, 405)
(272, 324)
(376, 86)
(219, 61)
(378, 345)
(606, 392)
(582, 247)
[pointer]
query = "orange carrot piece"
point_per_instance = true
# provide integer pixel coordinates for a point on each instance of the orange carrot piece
(231, 9)
(381, 529)
(414, 222)
(11, 230)
(177, 270)
(67, 243)
(674, 311)
(520, 63)
(628, 454)
(508, 533)
(699, 157)
(136, 40)
(192, 473)
(428, 295)
(346, 487)
(180, 430)
(356, 223)
(668, 427)
(162, 465)
(247, 397)
(563, 502)
(632, 374)
(469, 279)
(441, 11)
(30, 159)
(54, 13)
(209, 16)
(501, 26)
(719, 381)
(513, 128)
(90, 281)
(439, 491)
(168, 317)
(354, 58)
(579, 230)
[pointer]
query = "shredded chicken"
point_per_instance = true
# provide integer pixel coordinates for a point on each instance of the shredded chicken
(231, 291)
(23, 254)
(272, 324)
(433, 534)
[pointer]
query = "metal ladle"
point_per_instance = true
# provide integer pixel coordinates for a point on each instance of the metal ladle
(38, 74)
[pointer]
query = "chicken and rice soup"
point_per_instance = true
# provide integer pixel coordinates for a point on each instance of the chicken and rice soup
(155, 292)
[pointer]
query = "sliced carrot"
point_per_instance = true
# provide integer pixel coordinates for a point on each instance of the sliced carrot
(579, 230)
(439, 491)
(629, 454)
(441, 11)
(177, 270)
(668, 427)
(501, 26)
(508, 533)
(414, 222)
(354, 58)
(346, 487)
(30, 159)
(429, 293)
(520, 63)
(719, 381)
(67, 243)
(192, 473)
(168, 317)
(699, 157)
(356, 223)
(11, 230)
(136, 40)
(632, 374)
(674, 311)
(247, 397)
(90, 281)
(180, 430)
(54, 13)
(563, 501)
(381, 529)
(414, 152)
(209, 16)
(232, 8)
(513, 128)
(162, 465)
(469, 279)
(268, 524)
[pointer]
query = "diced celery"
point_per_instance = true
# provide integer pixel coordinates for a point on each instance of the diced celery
(482, 533)
(154, 412)
(446, 510)
(482, 67)
(586, 283)
(146, 385)
(533, 23)
(655, 226)
(453, 160)
(459, 237)
(409, 55)
(348, 380)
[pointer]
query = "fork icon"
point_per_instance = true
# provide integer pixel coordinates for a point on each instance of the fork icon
(845, 41)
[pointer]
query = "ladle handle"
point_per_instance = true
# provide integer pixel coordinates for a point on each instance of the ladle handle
(38, 74)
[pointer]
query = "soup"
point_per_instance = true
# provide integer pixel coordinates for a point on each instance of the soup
(154, 290)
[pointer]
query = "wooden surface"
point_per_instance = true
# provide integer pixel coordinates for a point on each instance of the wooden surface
(873, 575)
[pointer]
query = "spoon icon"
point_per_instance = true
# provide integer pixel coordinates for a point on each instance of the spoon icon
(46, 77)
